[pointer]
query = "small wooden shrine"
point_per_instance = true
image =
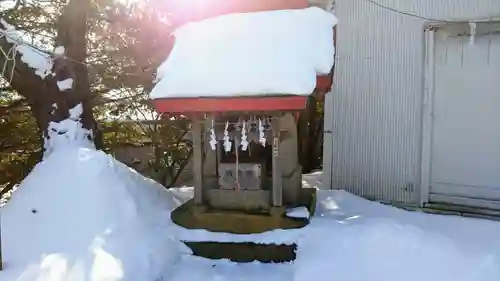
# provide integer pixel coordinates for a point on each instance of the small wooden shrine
(245, 159)
(245, 151)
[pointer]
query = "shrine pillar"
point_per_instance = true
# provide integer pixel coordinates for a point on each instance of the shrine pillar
(290, 168)
(197, 130)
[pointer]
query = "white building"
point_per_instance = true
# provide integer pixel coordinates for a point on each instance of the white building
(414, 116)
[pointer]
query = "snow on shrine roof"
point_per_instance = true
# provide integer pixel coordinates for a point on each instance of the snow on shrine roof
(250, 54)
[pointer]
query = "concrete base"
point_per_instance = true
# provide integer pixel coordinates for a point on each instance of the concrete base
(244, 200)
(244, 252)
(192, 216)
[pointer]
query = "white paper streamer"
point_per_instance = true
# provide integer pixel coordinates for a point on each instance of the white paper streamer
(213, 140)
(244, 141)
(227, 143)
(262, 136)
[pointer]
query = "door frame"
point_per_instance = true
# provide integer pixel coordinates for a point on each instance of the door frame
(427, 114)
(427, 119)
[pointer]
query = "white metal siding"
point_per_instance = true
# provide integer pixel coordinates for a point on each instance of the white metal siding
(378, 91)
(327, 142)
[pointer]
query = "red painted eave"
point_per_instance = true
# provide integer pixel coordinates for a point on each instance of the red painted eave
(236, 104)
(233, 104)
(323, 84)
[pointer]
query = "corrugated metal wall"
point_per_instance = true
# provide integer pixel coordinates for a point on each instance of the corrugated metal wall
(377, 98)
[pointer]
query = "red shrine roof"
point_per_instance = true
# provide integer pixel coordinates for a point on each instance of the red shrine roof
(183, 13)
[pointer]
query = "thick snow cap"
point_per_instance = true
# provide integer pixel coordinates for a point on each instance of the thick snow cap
(264, 53)
(83, 216)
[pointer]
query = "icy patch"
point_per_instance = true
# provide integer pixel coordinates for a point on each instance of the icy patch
(82, 216)
(299, 212)
(274, 52)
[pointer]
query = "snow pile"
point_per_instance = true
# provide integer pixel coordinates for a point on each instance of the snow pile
(274, 52)
(68, 132)
(83, 216)
(299, 212)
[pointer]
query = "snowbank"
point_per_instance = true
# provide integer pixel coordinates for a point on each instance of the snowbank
(386, 250)
(352, 239)
(83, 216)
(274, 52)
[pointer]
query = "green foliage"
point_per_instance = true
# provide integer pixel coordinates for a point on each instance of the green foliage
(19, 146)
(173, 149)
(116, 134)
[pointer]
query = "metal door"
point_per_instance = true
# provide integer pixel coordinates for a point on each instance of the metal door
(465, 145)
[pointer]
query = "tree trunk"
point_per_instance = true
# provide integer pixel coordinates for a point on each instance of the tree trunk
(60, 101)
(314, 121)
(310, 136)
(302, 128)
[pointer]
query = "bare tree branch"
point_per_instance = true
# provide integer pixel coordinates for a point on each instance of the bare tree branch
(23, 80)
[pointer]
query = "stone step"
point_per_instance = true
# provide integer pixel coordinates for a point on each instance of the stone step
(244, 252)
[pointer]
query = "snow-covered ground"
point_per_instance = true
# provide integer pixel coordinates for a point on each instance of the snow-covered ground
(82, 216)
(353, 239)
